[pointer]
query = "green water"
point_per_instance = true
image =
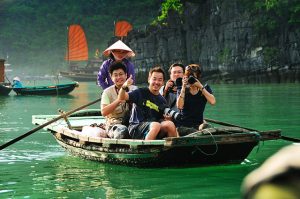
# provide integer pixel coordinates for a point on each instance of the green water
(37, 167)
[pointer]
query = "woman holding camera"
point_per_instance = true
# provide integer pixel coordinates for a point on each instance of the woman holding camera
(192, 98)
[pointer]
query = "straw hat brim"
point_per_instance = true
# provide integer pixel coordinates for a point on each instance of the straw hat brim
(119, 45)
(16, 79)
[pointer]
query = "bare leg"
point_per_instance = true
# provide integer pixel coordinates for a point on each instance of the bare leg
(154, 130)
(169, 128)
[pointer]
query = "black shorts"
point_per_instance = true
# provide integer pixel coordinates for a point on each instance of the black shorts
(139, 131)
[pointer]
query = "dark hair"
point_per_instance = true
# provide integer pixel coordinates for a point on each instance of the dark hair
(194, 68)
(112, 56)
(157, 69)
(176, 64)
(116, 66)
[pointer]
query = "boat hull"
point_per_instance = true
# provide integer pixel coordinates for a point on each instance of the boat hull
(184, 151)
(5, 89)
(60, 89)
(198, 155)
(80, 77)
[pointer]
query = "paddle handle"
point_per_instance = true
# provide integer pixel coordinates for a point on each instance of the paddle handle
(250, 129)
(228, 124)
(46, 124)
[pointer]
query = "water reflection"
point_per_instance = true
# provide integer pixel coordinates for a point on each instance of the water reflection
(3, 101)
(70, 177)
(86, 93)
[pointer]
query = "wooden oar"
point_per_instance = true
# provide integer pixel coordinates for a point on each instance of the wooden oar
(45, 124)
(250, 129)
(8, 80)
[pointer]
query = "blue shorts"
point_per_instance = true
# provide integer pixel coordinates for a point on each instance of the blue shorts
(139, 131)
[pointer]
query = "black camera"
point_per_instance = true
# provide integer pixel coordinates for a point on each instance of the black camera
(178, 82)
(191, 79)
(171, 88)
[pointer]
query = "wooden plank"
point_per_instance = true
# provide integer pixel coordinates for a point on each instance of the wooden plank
(215, 139)
(270, 135)
(70, 133)
(95, 139)
(83, 138)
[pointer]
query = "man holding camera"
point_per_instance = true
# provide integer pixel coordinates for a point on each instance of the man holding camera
(169, 91)
(147, 119)
(193, 97)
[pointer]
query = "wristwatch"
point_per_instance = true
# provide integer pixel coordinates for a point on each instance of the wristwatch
(125, 88)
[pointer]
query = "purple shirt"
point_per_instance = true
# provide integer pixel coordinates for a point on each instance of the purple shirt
(104, 79)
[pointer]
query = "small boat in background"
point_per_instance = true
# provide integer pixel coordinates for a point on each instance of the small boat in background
(58, 89)
(5, 87)
(83, 74)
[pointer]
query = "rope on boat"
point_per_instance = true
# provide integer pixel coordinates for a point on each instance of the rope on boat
(203, 152)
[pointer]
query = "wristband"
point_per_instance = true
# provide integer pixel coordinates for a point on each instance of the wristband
(125, 88)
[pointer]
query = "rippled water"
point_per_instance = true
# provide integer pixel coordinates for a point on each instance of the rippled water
(37, 167)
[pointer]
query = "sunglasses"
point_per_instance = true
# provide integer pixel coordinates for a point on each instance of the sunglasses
(193, 68)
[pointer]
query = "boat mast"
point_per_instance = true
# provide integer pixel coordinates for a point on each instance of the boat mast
(68, 50)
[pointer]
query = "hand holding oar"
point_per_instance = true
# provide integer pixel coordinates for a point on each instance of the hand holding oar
(250, 129)
(45, 124)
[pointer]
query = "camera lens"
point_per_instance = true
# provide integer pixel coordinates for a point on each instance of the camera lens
(175, 115)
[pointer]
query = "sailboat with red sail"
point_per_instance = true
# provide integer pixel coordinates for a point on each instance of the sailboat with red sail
(122, 28)
(77, 53)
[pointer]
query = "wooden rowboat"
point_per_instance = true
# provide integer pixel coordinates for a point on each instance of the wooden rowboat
(218, 145)
(58, 89)
(5, 88)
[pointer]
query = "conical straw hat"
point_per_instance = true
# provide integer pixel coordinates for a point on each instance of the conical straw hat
(119, 45)
(17, 79)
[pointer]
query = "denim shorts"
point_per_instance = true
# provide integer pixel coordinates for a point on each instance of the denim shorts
(139, 131)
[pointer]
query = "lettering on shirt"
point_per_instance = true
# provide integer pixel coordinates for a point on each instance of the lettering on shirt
(151, 105)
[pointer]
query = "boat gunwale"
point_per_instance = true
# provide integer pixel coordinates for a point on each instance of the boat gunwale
(229, 138)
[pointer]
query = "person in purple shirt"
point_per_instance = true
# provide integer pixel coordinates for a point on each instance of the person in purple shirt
(117, 52)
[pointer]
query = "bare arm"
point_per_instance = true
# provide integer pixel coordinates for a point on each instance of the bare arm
(123, 95)
(209, 97)
(109, 108)
(180, 99)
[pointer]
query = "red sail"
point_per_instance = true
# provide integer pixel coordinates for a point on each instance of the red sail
(122, 28)
(77, 45)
